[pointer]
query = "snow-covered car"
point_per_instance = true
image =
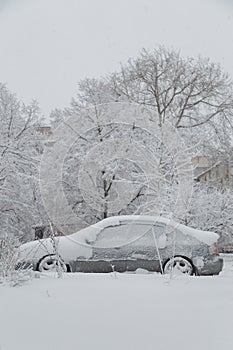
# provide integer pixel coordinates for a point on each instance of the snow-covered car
(127, 243)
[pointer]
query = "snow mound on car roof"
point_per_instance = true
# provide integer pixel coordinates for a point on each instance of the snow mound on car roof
(207, 237)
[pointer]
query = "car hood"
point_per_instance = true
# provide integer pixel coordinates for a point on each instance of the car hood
(68, 247)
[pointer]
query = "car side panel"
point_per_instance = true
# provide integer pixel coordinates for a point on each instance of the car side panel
(104, 266)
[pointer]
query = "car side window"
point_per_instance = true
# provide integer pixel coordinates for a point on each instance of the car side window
(133, 234)
(124, 234)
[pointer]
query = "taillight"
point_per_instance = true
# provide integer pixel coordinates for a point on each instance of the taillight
(214, 249)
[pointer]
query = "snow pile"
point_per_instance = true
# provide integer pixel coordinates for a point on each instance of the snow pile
(119, 311)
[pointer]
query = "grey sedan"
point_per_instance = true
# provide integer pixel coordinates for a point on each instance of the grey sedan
(127, 243)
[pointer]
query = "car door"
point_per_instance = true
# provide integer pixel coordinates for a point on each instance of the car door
(130, 245)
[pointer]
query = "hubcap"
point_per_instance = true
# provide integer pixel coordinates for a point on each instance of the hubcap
(51, 264)
(179, 264)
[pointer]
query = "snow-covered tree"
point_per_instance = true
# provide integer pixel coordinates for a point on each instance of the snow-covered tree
(193, 96)
(20, 149)
(211, 210)
(91, 93)
(188, 92)
(118, 162)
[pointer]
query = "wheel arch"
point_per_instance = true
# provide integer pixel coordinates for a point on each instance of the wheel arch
(195, 270)
(69, 269)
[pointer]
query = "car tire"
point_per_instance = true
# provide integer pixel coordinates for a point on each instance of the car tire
(179, 264)
(50, 263)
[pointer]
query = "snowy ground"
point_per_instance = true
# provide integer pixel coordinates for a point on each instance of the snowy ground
(122, 311)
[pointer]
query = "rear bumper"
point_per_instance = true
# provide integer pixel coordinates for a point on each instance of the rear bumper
(212, 265)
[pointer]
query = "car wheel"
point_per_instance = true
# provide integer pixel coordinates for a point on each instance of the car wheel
(51, 263)
(179, 264)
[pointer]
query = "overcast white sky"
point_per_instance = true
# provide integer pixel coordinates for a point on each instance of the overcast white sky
(47, 46)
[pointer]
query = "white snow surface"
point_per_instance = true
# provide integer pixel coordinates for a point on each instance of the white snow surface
(119, 312)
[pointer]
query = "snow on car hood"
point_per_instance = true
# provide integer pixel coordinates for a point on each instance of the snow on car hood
(69, 247)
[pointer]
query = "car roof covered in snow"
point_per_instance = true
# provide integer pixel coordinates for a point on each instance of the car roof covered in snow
(207, 237)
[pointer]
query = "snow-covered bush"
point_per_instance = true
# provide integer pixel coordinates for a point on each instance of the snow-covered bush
(211, 210)
(9, 272)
